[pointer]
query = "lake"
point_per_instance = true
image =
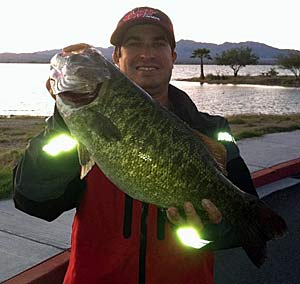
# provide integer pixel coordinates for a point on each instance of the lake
(24, 92)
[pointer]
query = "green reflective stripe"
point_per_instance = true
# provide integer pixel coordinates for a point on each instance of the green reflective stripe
(59, 144)
(230, 144)
(225, 136)
(190, 237)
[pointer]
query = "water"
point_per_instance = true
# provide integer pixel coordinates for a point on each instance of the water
(242, 99)
(189, 71)
(24, 93)
(23, 90)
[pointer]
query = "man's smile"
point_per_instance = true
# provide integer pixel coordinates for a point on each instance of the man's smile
(146, 68)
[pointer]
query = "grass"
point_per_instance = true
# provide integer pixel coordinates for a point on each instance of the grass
(16, 131)
(5, 183)
(247, 126)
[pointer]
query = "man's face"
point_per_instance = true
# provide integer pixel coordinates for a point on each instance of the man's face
(146, 57)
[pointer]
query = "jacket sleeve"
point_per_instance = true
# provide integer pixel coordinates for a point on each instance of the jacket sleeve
(237, 170)
(45, 186)
(238, 173)
(217, 127)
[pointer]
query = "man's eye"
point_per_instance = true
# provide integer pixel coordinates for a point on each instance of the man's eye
(133, 44)
(160, 43)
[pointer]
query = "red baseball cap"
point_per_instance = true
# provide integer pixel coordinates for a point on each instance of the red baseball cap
(143, 15)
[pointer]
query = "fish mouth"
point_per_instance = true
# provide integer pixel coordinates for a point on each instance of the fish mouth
(79, 99)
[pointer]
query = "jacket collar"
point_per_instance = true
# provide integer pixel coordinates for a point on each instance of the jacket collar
(182, 105)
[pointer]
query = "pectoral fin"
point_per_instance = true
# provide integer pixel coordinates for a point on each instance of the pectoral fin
(85, 160)
(217, 151)
(101, 127)
(104, 127)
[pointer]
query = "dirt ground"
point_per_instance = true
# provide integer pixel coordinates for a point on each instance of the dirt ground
(15, 131)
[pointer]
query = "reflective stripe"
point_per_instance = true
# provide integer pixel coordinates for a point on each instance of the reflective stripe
(225, 136)
(190, 237)
(59, 144)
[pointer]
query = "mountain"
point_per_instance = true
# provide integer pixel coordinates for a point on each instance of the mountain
(42, 56)
(184, 48)
(267, 54)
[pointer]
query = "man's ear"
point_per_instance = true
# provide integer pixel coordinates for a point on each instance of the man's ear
(116, 55)
(174, 56)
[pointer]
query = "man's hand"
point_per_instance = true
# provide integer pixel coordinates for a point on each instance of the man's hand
(192, 218)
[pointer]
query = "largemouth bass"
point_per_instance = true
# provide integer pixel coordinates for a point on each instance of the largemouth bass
(148, 152)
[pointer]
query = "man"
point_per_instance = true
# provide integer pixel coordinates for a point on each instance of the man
(116, 239)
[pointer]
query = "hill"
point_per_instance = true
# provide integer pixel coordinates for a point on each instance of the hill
(41, 56)
(184, 48)
(267, 54)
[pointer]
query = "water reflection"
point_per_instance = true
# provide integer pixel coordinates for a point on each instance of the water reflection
(242, 99)
(189, 71)
(23, 92)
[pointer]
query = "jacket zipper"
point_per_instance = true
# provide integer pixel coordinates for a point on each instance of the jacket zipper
(127, 217)
(143, 231)
(143, 244)
(160, 224)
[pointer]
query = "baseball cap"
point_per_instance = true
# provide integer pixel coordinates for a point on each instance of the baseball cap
(143, 15)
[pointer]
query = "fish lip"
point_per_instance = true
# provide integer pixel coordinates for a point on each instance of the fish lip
(79, 99)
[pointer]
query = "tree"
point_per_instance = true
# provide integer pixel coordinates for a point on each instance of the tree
(290, 62)
(272, 72)
(201, 53)
(237, 58)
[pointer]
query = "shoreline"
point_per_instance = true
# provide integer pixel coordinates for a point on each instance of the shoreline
(280, 81)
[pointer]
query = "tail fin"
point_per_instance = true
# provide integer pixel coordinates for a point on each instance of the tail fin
(262, 225)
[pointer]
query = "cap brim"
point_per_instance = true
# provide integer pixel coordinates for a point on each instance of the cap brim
(118, 35)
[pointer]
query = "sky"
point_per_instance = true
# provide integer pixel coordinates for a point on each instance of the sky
(38, 25)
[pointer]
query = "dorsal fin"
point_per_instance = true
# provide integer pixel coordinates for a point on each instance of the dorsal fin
(76, 48)
(217, 150)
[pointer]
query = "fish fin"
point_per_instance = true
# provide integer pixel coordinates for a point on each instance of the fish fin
(85, 160)
(85, 169)
(262, 225)
(105, 127)
(217, 150)
(76, 48)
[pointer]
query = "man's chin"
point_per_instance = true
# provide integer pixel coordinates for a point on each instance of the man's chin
(150, 84)
(149, 88)
(146, 84)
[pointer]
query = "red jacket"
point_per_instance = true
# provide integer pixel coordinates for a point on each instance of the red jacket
(101, 253)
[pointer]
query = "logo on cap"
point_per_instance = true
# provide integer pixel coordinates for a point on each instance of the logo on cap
(141, 13)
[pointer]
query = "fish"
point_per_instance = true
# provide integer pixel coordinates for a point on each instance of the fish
(147, 151)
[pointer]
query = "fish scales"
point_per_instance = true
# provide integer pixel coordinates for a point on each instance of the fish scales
(144, 163)
(150, 153)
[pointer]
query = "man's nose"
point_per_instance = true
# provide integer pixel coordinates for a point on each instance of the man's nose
(147, 51)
